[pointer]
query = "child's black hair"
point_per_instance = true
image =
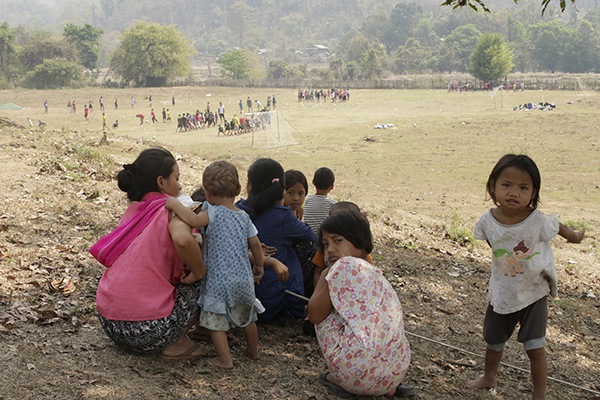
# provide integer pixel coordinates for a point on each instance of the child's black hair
(341, 206)
(267, 183)
(525, 164)
(323, 178)
(351, 225)
(199, 195)
(141, 176)
(293, 176)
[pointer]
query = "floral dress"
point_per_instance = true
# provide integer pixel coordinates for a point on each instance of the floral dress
(363, 338)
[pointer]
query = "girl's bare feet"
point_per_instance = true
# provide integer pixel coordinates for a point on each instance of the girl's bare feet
(220, 362)
(483, 382)
(253, 355)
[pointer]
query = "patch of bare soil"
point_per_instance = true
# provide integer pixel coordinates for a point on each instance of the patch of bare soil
(59, 197)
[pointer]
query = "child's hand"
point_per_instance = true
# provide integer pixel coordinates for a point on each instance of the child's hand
(188, 277)
(570, 234)
(258, 273)
(280, 269)
(198, 238)
(170, 202)
(268, 250)
(577, 236)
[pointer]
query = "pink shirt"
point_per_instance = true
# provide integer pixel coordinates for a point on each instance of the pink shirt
(139, 285)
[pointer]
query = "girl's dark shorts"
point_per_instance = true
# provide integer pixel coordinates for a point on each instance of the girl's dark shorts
(498, 328)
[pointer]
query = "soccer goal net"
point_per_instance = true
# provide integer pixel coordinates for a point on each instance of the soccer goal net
(581, 89)
(271, 130)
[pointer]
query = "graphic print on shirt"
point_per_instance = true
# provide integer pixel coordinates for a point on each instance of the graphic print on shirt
(511, 261)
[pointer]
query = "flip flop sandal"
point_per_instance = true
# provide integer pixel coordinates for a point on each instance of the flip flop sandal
(186, 355)
(405, 391)
(63, 285)
(199, 335)
(335, 389)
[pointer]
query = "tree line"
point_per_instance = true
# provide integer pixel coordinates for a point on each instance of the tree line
(412, 38)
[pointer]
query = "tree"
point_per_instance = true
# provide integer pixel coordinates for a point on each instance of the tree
(8, 53)
(149, 54)
(492, 59)
(475, 4)
(40, 47)
(456, 49)
(53, 73)
(235, 64)
(412, 58)
(86, 39)
(548, 41)
(402, 19)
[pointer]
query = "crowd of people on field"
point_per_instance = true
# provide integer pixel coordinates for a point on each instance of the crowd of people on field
(474, 86)
(252, 115)
(318, 95)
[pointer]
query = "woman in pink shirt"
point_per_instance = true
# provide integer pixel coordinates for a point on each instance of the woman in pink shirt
(147, 296)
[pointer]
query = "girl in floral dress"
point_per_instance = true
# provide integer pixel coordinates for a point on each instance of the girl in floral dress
(358, 315)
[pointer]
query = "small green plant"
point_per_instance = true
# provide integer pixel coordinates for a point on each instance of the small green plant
(457, 232)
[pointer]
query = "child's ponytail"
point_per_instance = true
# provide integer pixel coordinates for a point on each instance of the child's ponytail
(267, 184)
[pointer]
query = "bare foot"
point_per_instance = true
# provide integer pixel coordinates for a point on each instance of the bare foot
(220, 363)
(482, 382)
(192, 352)
(537, 396)
(253, 355)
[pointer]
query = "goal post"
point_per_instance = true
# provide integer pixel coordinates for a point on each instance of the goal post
(271, 130)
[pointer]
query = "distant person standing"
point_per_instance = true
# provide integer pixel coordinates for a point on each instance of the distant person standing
(173, 100)
(221, 112)
(274, 101)
(153, 114)
(249, 104)
(101, 102)
(86, 111)
(132, 102)
(164, 115)
(241, 104)
(116, 105)
(45, 106)
(104, 124)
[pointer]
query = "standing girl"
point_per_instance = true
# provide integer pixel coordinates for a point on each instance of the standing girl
(277, 227)
(227, 298)
(523, 271)
(358, 316)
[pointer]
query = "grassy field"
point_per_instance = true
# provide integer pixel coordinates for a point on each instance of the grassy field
(433, 165)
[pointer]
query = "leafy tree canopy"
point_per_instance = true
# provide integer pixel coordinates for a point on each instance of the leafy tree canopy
(86, 39)
(492, 59)
(475, 4)
(235, 64)
(53, 73)
(149, 54)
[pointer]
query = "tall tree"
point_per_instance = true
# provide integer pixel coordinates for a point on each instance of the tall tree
(235, 64)
(8, 53)
(149, 54)
(548, 41)
(86, 39)
(456, 49)
(40, 47)
(492, 59)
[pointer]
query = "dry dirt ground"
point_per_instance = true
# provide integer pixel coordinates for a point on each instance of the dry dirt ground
(59, 196)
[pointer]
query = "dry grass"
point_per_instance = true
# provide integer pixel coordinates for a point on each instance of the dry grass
(422, 184)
